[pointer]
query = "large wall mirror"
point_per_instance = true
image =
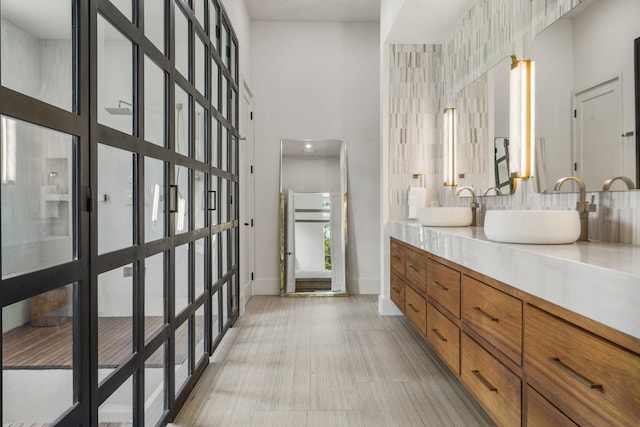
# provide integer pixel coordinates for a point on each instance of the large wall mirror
(482, 129)
(313, 217)
(585, 86)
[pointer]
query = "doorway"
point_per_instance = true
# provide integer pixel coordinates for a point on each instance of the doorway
(598, 152)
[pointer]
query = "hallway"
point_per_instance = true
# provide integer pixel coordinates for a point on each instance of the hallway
(325, 362)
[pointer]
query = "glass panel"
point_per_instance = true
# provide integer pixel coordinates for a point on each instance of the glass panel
(37, 358)
(37, 58)
(154, 22)
(200, 196)
(234, 293)
(234, 60)
(182, 356)
(233, 234)
(215, 84)
(184, 200)
(118, 408)
(182, 122)
(201, 133)
(37, 175)
(198, 10)
(223, 97)
(233, 155)
(154, 197)
(182, 278)
(215, 214)
(125, 7)
(224, 146)
(200, 64)
(215, 260)
(225, 302)
(224, 251)
(155, 388)
(115, 78)
(215, 315)
(200, 282)
(224, 201)
(182, 42)
(232, 102)
(154, 102)
(214, 13)
(115, 198)
(115, 318)
(224, 40)
(154, 295)
(215, 136)
(199, 334)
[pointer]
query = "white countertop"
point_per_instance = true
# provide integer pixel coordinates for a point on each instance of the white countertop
(599, 280)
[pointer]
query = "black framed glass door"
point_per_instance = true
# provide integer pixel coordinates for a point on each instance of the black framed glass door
(119, 192)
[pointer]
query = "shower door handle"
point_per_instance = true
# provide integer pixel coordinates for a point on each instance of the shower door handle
(173, 198)
(213, 200)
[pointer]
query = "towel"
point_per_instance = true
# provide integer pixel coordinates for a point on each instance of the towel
(417, 198)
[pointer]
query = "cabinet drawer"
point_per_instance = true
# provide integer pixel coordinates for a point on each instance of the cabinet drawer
(541, 413)
(497, 389)
(444, 286)
(397, 291)
(496, 316)
(416, 309)
(397, 258)
(416, 269)
(444, 337)
(591, 380)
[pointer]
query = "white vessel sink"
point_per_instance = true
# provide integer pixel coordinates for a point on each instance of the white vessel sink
(540, 227)
(445, 216)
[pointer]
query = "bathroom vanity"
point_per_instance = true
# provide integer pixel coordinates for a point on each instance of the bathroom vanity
(539, 335)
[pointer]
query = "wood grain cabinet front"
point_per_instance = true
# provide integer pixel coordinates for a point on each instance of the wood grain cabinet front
(397, 291)
(397, 258)
(541, 413)
(416, 309)
(444, 286)
(496, 316)
(444, 337)
(591, 380)
(416, 270)
(494, 386)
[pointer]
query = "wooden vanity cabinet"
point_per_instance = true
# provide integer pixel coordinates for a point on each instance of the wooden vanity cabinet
(397, 257)
(494, 386)
(443, 284)
(444, 337)
(397, 291)
(495, 315)
(541, 413)
(592, 380)
(526, 361)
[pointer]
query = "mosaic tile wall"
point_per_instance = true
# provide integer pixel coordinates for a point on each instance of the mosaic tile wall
(492, 30)
(414, 124)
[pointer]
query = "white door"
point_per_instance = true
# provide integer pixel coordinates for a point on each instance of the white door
(597, 132)
(247, 231)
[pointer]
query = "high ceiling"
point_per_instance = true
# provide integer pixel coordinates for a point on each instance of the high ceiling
(314, 10)
(418, 21)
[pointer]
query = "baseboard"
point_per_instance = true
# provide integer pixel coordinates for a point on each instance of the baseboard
(386, 307)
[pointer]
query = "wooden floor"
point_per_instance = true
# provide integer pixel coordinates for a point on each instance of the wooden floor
(326, 362)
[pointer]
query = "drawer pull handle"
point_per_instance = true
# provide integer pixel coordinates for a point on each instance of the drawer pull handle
(397, 257)
(484, 381)
(413, 268)
(439, 335)
(484, 314)
(395, 289)
(444, 288)
(573, 374)
(413, 308)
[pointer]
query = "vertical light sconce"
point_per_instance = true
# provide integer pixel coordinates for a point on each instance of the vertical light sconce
(521, 118)
(8, 150)
(448, 142)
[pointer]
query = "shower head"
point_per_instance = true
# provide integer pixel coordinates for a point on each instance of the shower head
(120, 110)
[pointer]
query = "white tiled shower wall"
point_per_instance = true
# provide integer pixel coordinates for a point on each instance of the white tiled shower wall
(424, 79)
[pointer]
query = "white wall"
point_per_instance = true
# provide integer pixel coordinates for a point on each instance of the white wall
(318, 80)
